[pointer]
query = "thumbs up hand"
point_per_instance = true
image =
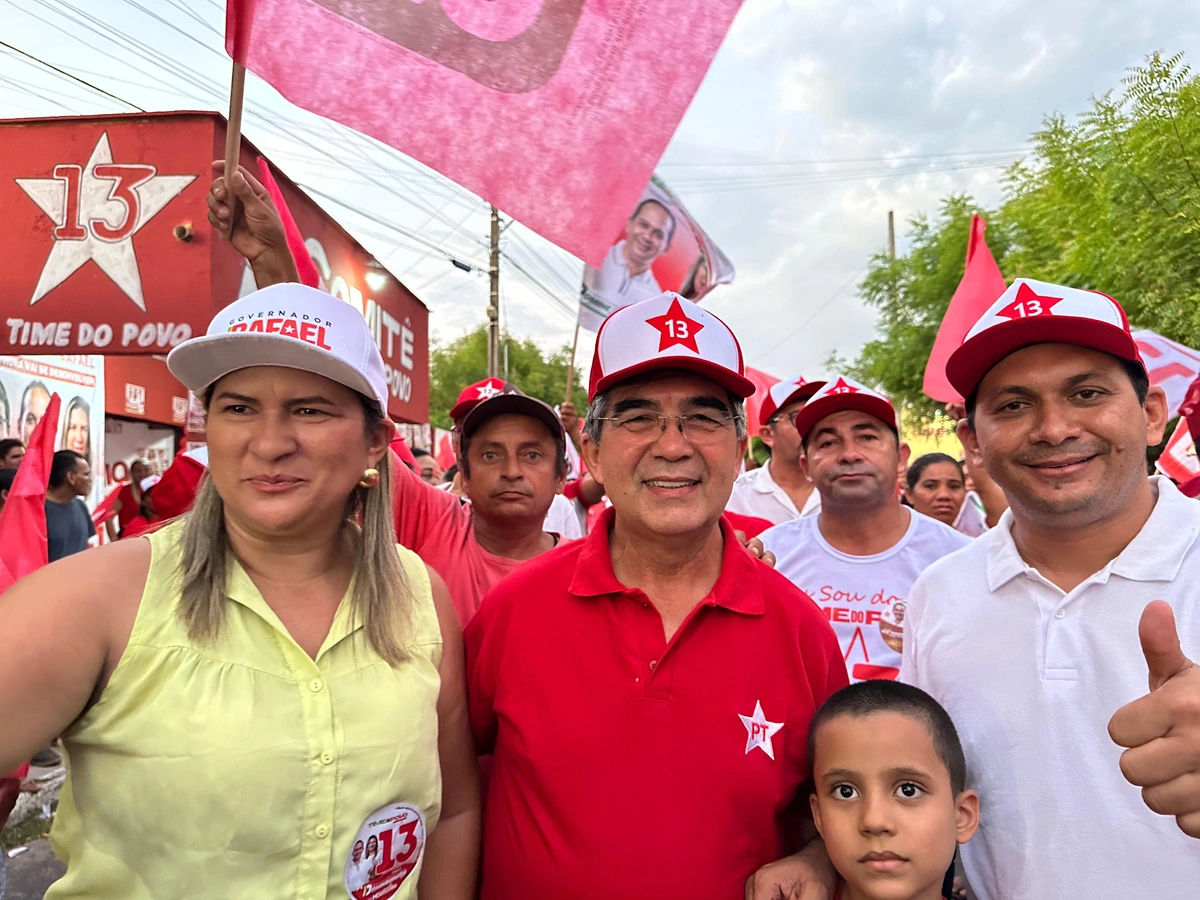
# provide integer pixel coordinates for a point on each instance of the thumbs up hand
(1162, 729)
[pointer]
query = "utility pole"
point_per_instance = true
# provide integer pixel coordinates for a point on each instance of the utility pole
(891, 234)
(494, 299)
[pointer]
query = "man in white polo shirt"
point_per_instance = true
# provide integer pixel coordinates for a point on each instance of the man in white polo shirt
(1030, 636)
(779, 491)
(860, 555)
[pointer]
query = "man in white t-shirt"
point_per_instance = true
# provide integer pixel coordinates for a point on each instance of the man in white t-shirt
(860, 555)
(779, 491)
(1030, 637)
(625, 276)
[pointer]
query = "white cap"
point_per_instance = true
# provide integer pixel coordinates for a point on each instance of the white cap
(146, 483)
(289, 325)
(782, 393)
(841, 393)
(1035, 312)
(667, 332)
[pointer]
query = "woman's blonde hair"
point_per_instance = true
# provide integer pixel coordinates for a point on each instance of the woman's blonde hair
(381, 600)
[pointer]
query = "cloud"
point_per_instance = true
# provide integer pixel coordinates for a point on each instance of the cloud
(814, 80)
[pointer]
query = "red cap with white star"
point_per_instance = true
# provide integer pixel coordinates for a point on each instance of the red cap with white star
(841, 393)
(1034, 312)
(784, 392)
(667, 332)
(475, 394)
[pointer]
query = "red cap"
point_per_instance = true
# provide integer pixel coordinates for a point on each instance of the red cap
(475, 394)
(784, 392)
(841, 393)
(667, 332)
(1034, 312)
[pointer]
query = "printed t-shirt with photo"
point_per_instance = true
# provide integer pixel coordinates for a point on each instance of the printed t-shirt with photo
(864, 597)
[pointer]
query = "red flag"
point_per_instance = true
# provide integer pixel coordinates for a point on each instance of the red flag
(762, 384)
(104, 509)
(304, 261)
(23, 545)
(981, 285)
(555, 111)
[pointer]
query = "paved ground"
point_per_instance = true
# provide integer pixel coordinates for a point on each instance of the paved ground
(30, 873)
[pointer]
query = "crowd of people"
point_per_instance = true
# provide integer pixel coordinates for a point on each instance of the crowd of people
(292, 688)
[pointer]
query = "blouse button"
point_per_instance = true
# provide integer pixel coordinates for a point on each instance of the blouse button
(316, 685)
(326, 757)
(322, 830)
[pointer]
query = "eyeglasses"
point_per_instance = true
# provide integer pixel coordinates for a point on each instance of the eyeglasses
(698, 428)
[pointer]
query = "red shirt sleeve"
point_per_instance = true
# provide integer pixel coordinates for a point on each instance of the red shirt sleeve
(421, 511)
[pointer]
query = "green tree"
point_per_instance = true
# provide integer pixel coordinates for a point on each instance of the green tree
(463, 361)
(1109, 202)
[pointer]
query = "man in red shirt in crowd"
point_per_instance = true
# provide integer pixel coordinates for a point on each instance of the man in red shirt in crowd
(512, 458)
(647, 690)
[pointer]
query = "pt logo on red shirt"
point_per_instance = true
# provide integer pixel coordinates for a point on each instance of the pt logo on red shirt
(674, 327)
(1029, 304)
(759, 731)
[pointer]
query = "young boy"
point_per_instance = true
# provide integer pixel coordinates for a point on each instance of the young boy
(890, 798)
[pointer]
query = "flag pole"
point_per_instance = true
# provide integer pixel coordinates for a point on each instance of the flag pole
(571, 366)
(233, 131)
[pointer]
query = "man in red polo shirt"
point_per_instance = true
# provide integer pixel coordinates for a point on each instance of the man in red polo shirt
(512, 457)
(647, 691)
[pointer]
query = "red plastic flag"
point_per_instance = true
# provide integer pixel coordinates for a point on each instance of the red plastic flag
(23, 545)
(304, 261)
(105, 508)
(981, 285)
(555, 111)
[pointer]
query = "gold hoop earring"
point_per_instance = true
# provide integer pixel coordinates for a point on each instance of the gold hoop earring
(369, 479)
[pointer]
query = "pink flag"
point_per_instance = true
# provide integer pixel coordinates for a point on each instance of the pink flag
(23, 546)
(555, 111)
(981, 285)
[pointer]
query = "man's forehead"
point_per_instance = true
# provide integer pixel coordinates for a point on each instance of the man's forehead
(1047, 367)
(511, 426)
(848, 418)
(663, 387)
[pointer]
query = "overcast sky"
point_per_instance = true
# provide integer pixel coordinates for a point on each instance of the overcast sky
(779, 156)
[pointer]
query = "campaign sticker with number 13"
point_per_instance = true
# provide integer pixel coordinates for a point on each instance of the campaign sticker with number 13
(386, 850)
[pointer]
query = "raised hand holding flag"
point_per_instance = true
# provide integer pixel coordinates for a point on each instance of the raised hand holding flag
(1162, 729)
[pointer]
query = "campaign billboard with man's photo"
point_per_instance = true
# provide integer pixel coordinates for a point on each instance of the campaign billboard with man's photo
(661, 248)
(26, 383)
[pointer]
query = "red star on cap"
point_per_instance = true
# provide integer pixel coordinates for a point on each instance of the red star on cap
(1029, 304)
(674, 327)
(842, 388)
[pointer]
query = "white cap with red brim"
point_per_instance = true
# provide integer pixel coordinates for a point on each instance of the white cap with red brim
(841, 393)
(784, 392)
(1034, 312)
(289, 325)
(667, 332)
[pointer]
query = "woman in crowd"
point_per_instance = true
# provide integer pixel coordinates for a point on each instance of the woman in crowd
(935, 486)
(129, 499)
(250, 691)
(77, 428)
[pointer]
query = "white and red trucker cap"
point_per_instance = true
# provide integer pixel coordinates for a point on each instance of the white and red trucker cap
(667, 332)
(841, 393)
(289, 325)
(784, 392)
(1034, 312)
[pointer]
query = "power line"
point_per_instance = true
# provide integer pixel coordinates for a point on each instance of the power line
(816, 312)
(67, 74)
